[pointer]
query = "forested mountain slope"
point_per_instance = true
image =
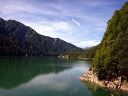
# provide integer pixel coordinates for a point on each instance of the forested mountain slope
(87, 54)
(28, 41)
(111, 59)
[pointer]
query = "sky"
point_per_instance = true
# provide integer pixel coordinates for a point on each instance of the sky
(80, 22)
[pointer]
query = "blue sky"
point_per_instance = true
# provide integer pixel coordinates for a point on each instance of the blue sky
(80, 22)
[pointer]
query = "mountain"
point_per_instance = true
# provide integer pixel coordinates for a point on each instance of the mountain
(87, 54)
(18, 39)
(86, 48)
(111, 59)
(7, 47)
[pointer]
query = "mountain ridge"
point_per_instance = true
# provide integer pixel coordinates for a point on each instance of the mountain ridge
(33, 43)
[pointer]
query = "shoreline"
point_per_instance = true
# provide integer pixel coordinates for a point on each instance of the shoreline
(116, 84)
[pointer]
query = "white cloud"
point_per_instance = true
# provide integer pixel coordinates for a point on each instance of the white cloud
(76, 22)
(10, 7)
(87, 43)
(97, 3)
(52, 29)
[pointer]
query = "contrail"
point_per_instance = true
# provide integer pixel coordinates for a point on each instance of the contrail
(76, 22)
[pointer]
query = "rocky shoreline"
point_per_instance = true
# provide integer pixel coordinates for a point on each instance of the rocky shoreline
(115, 84)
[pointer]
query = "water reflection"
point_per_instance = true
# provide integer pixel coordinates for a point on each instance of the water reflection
(37, 76)
(17, 70)
(101, 91)
(42, 76)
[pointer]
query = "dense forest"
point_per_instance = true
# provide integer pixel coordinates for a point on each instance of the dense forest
(18, 39)
(87, 54)
(111, 57)
(8, 48)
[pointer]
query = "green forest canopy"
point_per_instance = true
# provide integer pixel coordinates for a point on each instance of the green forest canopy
(111, 57)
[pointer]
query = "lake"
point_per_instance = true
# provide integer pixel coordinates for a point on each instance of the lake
(47, 76)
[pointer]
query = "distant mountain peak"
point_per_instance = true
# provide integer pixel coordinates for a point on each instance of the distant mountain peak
(86, 48)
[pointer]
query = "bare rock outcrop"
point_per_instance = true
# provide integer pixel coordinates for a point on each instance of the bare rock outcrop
(115, 83)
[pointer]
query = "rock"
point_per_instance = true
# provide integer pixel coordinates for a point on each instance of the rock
(92, 77)
(106, 83)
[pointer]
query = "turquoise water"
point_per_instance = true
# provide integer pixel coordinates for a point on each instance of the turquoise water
(47, 76)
